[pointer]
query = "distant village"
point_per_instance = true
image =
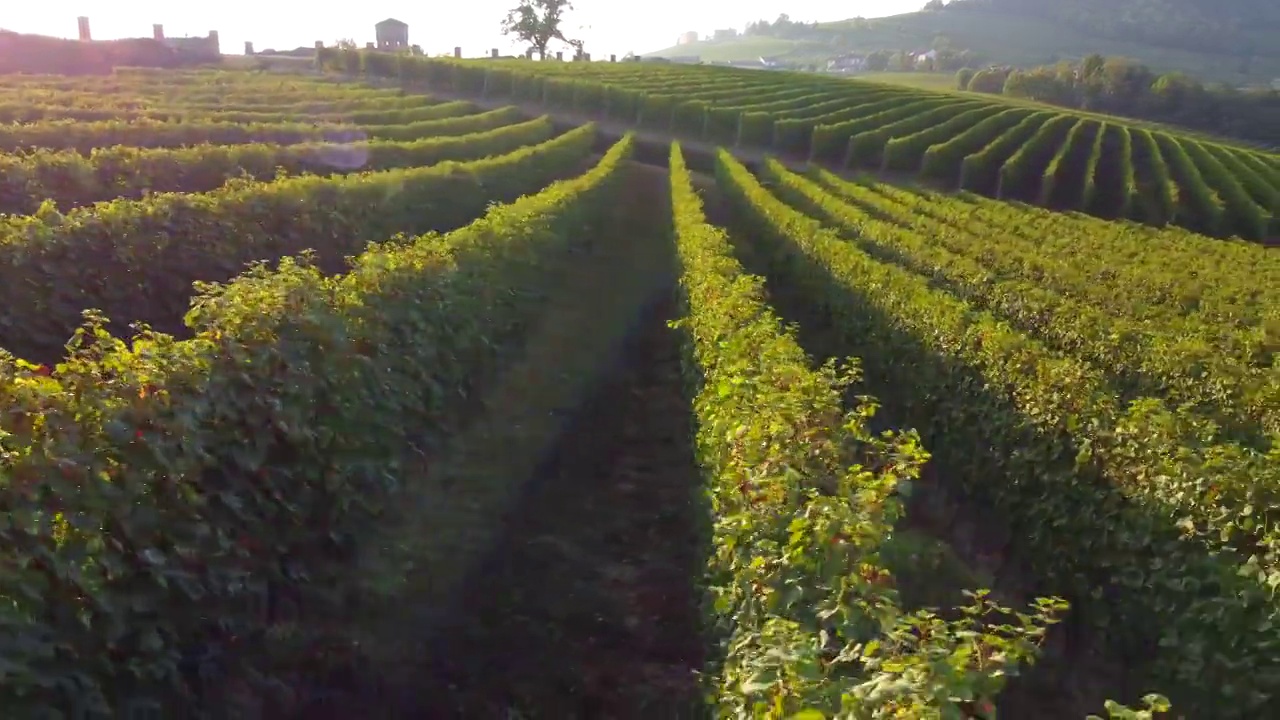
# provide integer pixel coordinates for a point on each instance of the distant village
(392, 35)
(207, 47)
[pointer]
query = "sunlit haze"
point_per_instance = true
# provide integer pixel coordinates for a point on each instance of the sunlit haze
(607, 27)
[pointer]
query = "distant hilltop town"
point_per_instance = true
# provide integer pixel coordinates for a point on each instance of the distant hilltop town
(24, 53)
(27, 53)
(206, 47)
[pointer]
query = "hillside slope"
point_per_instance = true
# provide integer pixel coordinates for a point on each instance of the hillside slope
(1238, 28)
(1231, 49)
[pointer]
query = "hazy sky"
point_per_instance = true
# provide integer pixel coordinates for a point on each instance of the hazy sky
(608, 27)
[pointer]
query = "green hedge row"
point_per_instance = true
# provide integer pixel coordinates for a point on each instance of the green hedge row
(691, 105)
(754, 124)
(980, 170)
(1156, 189)
(781, 98)
(247, 99)
(789, 100)
(423, 108)
(71, 179)
(902, 145)
(656, 111)
(754, 129)
(1199, 205)
(198, 485)
(84, 137)
(702, 90)
(374, 104)
(558, 91)
(1129, 191)
(724, 122)
(793, 113)
(1089, 196)
(866, 147)
(172, 79)
(804, 492)
(1066, 301)
(247, 95)
(267, 98)
(428, 109)
(1062, 185)
(795, 134)
(972, 382)
(689, 117)
(457, 125)
(527, 82)
(1268, 171)
(621, 103)
(1254, 179)
(764, 126)
(819, 108)
(1104, 187)
(1241, 215)
(590, 98)
(1064, 448)
(570, 94)
(943, 160)
(136, 260)
(830, 141)
(722, 125)
(1020, 175)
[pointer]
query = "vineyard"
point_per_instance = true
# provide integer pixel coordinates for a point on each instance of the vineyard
(1103, 166)
(381, 396)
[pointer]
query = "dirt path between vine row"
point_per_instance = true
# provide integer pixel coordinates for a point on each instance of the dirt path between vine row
(586, 604)
(590, 609)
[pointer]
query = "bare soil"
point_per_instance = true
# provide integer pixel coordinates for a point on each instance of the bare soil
(590, 609)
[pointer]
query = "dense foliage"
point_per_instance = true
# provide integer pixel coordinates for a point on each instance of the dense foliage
(1125, 87)
(1224, 190)
(186, 517)
(804, 495)
(145, 254)
(975, 326)
(196, 515)
(85, 136)
(70, 179)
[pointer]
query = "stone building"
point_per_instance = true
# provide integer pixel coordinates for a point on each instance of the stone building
(205, 48)
(392, 35)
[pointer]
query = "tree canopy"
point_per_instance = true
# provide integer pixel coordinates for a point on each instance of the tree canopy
(537, 23)
(1126, 87)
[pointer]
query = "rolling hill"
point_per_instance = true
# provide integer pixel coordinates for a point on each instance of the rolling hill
(1220, 41)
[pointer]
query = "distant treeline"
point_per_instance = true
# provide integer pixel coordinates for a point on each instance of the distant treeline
(1120, 86)
(1238, 28)
(21, 53)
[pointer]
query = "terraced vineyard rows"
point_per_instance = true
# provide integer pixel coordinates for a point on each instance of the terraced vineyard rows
(957, 139)
(401, 405)
(194, 520)
(1124, 418)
